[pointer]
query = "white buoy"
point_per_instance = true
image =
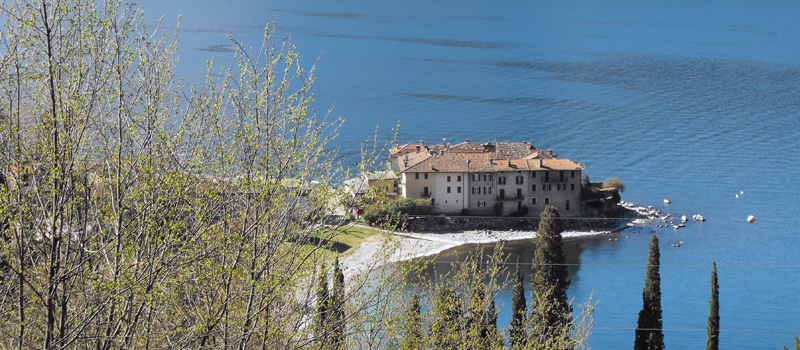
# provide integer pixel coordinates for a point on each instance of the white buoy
(751, 219)
(666, 201)
(742, 192)
(737, 195)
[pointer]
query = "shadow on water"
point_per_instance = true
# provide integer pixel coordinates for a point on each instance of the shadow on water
(445, 264)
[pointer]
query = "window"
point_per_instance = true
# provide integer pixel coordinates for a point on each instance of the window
(448, 178)
(448, 189)
(473, 177)
(546, 200)
(490, 177)
(487, 189)
(572, 173)
(426, 176)
(533, 174)
(484, 177)
(561, 175)
(572, 187)
(533, 200)
(546, 176)
(481, 204)
(458, 189)
(416, 176)
(519, 180)
(425, 192)
(567, 204)
(502, 193)
(473, 190)
(549, 187)
(533, 187)
(501, 180)
(458, 178)
(519, 193)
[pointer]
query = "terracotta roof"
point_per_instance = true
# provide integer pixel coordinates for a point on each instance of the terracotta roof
(407, 148)
(458, 162)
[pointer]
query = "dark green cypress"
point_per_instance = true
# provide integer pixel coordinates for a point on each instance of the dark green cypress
(494, 339)
(519, 308)
(649, 334)
(323, 302)
(551, 275)
(712, 343)
(413, 338)
(446, 331)
(337, 314)
(475, 323)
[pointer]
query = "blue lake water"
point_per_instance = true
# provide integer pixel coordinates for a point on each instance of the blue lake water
(691, 100)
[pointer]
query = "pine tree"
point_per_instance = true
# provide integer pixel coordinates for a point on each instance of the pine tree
(712, 343)
(649, 335)
(323, 306)
(337, 319)
(519, 308)
(413, 338)
(551, 279)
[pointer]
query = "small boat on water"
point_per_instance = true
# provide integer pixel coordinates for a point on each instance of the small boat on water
(666, 201)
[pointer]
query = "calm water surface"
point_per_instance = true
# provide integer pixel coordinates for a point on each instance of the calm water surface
(691, 100)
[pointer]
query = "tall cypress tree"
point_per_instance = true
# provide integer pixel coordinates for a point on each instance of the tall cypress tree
(712, 343)
(337, 314)
(446, 330)
(649, 335)
(494, 338)
(475, 322)
(323, 303)
(519, 308)
(551, 280)
(413, 338)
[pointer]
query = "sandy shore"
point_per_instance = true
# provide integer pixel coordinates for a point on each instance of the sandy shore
(402, 246)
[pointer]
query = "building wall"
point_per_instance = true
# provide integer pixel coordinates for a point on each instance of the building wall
(454, 200)
(555, 189)
(481, 193)
(413, 188)
(507, 184)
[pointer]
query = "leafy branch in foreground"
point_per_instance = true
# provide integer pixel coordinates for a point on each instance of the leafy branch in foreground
(136, 211)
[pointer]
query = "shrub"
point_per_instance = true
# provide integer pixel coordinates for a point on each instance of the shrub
(614, 182)
(498, 209)
(392, 211)
(521, 212)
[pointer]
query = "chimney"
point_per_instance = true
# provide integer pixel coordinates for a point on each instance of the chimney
(422, 142)
(418, 148)
(467, 140)
(488, 147)
(540, 163)
(491, 161)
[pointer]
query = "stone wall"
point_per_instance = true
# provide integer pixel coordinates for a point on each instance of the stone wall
(443, 223)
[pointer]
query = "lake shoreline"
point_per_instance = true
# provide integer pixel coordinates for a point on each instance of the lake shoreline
(410, 245)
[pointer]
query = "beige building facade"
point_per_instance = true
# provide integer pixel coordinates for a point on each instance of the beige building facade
(489, 179)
